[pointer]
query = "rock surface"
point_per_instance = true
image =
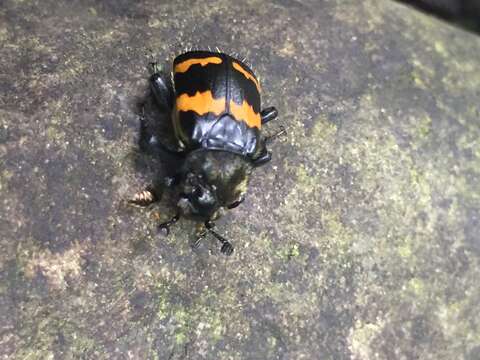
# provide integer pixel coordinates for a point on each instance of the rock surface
(359, 241)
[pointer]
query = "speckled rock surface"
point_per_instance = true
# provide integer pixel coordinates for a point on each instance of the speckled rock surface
(359, 241)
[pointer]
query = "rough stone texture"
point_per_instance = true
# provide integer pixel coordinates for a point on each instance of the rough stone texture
(359, 241)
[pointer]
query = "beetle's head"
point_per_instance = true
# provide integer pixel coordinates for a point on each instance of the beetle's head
(212, 180)
(198, 199)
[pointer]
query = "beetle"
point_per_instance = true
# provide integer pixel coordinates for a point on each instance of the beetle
(214, 103)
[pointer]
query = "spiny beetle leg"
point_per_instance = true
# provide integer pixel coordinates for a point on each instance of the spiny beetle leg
(279, 133)
(268, 114)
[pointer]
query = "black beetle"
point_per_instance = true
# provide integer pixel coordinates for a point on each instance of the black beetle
(217, 119)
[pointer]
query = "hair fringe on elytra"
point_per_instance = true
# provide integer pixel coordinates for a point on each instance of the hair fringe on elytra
(216, 49)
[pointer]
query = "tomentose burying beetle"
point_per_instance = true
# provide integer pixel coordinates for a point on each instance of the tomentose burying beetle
(217, 119)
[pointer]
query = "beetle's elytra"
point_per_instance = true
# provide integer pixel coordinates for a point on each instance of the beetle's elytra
(217, 119)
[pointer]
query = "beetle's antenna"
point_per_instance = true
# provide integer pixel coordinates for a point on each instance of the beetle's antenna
(165, 227)
(227, 248)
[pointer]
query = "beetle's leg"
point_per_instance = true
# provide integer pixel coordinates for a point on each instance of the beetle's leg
(150, 143)
(268, 114)
(266, 155)
(236, 203)
(162, 89)
(280, 132)
(163, 93)
(227, 247)
(164, 228)
(263, 159)
(144, 198)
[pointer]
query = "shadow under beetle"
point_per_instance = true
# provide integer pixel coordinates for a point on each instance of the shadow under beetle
(214, 103)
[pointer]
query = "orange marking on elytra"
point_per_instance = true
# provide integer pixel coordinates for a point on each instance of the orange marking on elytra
(185, 65)
(201, 103)
(204, 102)
(245, 113)
(245, 73)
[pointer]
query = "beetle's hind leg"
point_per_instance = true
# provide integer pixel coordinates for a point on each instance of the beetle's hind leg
(265, 156)
(162, 88)
(268, 114)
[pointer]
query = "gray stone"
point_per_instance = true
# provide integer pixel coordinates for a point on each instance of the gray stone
(359, 241)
